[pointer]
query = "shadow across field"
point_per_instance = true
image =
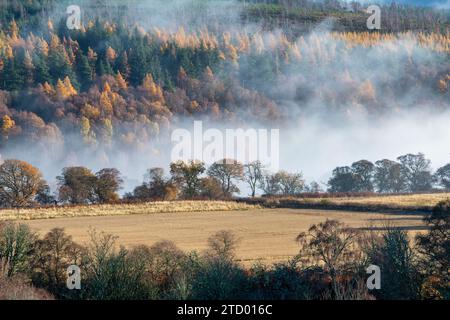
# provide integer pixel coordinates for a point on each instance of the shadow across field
(404, 228)
(411, 204)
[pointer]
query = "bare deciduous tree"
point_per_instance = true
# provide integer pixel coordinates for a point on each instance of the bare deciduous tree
(253, 175)
(331, 244)
(291, 183)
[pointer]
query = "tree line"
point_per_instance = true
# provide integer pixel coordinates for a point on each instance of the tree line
(22, 185)
(298, 16)
(409, 174)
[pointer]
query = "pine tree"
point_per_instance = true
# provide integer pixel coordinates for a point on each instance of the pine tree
(123, 66)
(84, 70)
(12, 80)
(60, 66)
(104, 67)
(138, 65)
(92, 58)
(41, 70)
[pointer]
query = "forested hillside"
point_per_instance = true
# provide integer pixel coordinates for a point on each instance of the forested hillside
(116, 82)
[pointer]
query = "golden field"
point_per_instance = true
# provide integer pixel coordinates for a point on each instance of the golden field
(121, 209)
(409, 202)
(266, 235)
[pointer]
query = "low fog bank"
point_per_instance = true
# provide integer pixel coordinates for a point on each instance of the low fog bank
(315, 147)
(310, 145)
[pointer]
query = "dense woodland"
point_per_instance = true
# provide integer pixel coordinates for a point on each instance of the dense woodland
(113, 83)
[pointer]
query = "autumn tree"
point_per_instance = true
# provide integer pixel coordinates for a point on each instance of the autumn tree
(187, 176)
(6, 126)
(155, 187)
(211, 188)
(227, 171)
(77, 185)
(107, 185)
(19, 183)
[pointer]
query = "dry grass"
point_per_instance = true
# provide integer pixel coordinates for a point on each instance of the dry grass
(413, 202)
(264, 234)
(122, 209)
(19, 289)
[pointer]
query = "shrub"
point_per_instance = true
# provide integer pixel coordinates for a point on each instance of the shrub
(216, 276)
(284, 281)
(219, 278)
(17, 288)
(400, 278)
(163, 266)
(434, 248)
(112, 274)
(223, 244)
(16, 246)
(53, 255)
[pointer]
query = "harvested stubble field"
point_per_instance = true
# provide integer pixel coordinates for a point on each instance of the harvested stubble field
(410, 202)
(266, 235)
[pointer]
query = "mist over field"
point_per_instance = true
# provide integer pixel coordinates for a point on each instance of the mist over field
(336, 99)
